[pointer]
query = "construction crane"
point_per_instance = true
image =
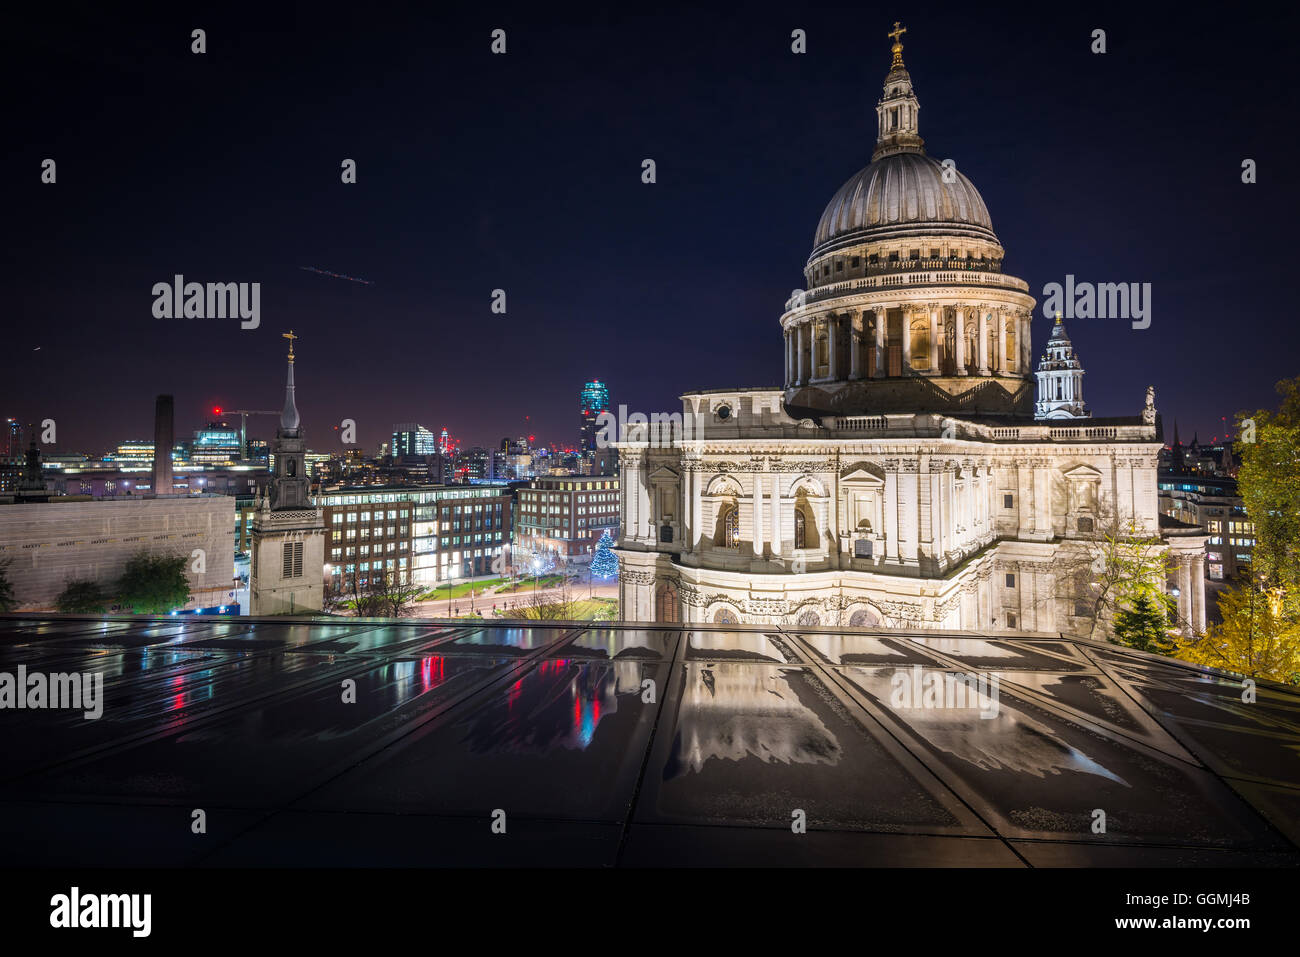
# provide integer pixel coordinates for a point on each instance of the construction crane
(243, 427)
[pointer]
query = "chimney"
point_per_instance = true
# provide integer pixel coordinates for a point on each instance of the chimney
(162, 445)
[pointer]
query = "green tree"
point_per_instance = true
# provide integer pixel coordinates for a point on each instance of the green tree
(7, 600)
(1119, 565)
(1143, 623)
(82, 597)
(1255, 639)
(154, 584)
(1268, 480)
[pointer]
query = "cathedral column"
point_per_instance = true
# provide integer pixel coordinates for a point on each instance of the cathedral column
(982, 341)
(1001, 320)
(934, 339)
(645, 523)
(697, 520)
(1198, 593)
(832, 343)
(907, 340)
(688, 519)
(787, 358)
(891, 510)
(798, 350)
(881, 313)
(855, 351)
(757, 510)
(631, 500)
(982, 600)
(960, 335)
(1026, 348)
(1185, 592)
(776, 514)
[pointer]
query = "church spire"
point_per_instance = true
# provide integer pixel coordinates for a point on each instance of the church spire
(289, 420)
(289, 486)
(897, 109)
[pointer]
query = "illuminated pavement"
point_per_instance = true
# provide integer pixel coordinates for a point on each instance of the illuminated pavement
(555, 727)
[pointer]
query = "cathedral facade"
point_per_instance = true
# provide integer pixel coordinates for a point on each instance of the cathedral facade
(905, 474)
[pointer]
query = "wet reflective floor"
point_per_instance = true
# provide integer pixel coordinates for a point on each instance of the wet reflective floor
(420, 743)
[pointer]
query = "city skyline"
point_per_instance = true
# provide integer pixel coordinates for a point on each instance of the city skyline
(619, 263)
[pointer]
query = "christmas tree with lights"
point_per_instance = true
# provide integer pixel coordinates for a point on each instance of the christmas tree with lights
(604, 564)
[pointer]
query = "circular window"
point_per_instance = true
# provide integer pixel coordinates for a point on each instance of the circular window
(724, 412)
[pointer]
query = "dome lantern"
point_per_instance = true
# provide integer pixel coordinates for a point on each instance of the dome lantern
(897, 109)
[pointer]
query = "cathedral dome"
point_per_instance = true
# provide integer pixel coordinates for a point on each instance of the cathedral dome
(900, 195)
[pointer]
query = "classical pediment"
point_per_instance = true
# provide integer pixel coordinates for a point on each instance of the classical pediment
(1083, 473)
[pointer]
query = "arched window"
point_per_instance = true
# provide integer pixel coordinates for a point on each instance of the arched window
(921, 344)
(725, 616)
(809, 618)
(800, 529)
(731, 526)
(1011, 346)
(292, 468)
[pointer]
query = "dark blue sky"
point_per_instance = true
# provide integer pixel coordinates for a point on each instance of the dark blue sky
(522, 172)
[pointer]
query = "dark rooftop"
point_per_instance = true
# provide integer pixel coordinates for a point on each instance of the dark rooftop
(607, 744)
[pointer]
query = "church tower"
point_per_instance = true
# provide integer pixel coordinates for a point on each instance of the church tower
(897, 109)
(288, 547)
(1060, 379)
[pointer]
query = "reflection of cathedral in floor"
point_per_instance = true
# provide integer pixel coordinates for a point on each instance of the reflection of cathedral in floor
(733, 711)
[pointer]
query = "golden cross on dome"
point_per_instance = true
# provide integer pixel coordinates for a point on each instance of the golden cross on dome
(290, 336)
(897, 32)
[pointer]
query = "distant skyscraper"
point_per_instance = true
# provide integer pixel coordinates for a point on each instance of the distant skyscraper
(411, 438)
(594, 400)
(11, 439)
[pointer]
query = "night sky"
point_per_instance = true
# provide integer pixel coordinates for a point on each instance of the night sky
(523, 172)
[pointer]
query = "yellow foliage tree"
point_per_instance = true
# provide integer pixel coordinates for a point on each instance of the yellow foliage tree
(1255, 638)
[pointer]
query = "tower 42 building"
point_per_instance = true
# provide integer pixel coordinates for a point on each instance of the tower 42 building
(905, 475)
